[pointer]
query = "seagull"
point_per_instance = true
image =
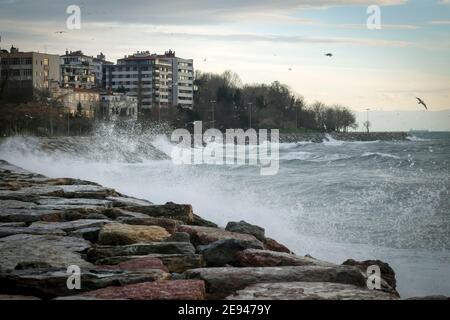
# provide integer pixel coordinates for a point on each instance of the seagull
(290, 69)
(329, 54)
(422, 103)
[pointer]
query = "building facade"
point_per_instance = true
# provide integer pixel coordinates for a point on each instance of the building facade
(25, 71)
(115, 106)
(157, 80)
(77, 101)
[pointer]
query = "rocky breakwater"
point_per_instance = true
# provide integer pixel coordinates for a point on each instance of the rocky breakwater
(128, 248)
(342, 136)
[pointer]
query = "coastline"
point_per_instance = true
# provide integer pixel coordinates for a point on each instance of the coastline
(128, 248)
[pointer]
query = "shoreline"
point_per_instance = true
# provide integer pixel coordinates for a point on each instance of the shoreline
(152, 251)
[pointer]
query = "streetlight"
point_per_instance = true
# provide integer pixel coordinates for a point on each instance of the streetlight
(250, 114)
(213, 103)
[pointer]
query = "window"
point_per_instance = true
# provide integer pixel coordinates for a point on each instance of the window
(45, 62)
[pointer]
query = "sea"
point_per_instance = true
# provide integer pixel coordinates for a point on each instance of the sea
(334, 200)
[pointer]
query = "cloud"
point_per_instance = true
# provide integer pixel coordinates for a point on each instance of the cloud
(440, 22)
(179, 12)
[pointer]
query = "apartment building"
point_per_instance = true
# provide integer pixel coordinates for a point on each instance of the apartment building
(157, 80)
(82, 71)
(24, 71)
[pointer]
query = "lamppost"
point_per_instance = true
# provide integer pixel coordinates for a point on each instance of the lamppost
(250, 115)
(213, 104)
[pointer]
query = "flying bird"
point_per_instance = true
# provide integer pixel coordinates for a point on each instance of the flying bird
(60, 32)
(328, 54)
(422, 103)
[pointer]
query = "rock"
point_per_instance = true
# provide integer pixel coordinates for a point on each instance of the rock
(123, 234)
(164, 290)
(58, 203)
(267, 258)
(199, 221)
(65, 181)
(128, 201)
(174, 262)
(140, 249)
(115, 213)
(52, 282)
(179, 237)
(54, 251)
(182, 212)
(223, 252)
(308, 291)
(436, 297)
(387, 273)
(169, 224)
(140, 263)
(246, 228)
(16, 297)
(14, 204)
(272, 245)
(6, 232)
(12, 224)
(29, 215)
(89, 234)
(207, 235)
(33, 193)
(221, 282)
(68, 226)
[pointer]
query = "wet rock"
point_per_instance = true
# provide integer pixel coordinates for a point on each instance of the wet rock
(179, 237)
(267, 258)
(182, 212)
(123, 234)
(65, 181)
(140, 263)
(246, 228)
(435, 297)
(223, 252)
(29, 215)
(272, 245)
(207, 235)
(55, 202)
(221, 282)
(7, 231)
(139, 249)
(55, 251)
(199, 221)
(16, 297)
(387, 273)
(15, 204)
(169, 224)
(164, 290)
(68, 226)
(49, 283)
(12, 224)
(128, 201)
(174, 262)
(308, 291)
(116, 213)
(89, 234)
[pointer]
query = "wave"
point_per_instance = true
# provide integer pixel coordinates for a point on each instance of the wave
(380, 154)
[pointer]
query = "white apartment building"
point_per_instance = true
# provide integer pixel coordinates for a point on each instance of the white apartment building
(157, 80)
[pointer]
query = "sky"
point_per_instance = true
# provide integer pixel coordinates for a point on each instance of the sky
(267, 40)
